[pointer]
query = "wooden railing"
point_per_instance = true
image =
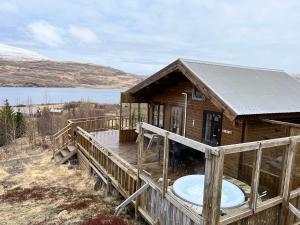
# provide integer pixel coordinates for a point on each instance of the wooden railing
(62, 138)
(66, 135)
(93, 124)
(277, 207)
(116, 171)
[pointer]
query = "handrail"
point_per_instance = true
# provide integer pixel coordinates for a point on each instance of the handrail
(111, 153)
(61, 136)
(58, 133)
(180, 139)
(249, 146)
(92, 118)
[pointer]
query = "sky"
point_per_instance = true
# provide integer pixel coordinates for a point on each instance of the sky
(142, 36)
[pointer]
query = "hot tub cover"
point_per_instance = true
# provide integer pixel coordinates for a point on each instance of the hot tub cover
(191, 188)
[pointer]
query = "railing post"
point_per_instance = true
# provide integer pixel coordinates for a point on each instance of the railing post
(287, 182)
(165, 163)
(140, 162)
(255, 178)
(213, 187)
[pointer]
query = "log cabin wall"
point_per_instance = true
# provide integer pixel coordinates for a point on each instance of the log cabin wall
(172, 96)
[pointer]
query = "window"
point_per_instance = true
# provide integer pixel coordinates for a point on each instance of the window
(197, 95)
(212, 128)
(132, 113)
(158, 116)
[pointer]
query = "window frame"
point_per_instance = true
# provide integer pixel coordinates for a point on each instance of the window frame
(161, 109)
(219, 138)
(194, 97)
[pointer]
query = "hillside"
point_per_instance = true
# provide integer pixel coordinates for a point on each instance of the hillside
(46, 73)
(24, 68)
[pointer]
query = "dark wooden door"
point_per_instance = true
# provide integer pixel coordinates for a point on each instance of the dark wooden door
(212, 128)
(176, 119)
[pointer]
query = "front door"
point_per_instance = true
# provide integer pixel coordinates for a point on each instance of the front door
(212, 128)
(176, 120)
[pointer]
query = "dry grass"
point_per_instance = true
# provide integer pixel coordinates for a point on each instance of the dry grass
(105, 220)
(35, 191)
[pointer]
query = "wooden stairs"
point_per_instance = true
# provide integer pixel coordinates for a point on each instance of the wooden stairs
(62, 156)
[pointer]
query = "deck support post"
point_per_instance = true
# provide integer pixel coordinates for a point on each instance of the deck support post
(287, 183)
(165, 163)
(213, 187)
(139, 162)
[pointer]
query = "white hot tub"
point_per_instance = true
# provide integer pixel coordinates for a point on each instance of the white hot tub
(191, 188)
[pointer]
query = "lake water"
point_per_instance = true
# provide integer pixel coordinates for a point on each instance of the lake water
(25, 95)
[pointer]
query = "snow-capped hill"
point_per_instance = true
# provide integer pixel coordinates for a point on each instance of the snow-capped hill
(8, 52)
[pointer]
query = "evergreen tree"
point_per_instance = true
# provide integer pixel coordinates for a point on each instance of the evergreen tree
(20, 124)
(7, 123)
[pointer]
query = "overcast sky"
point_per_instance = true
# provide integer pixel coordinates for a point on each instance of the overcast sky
(142, 36)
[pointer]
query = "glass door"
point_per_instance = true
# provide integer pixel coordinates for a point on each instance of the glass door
(176, 120)
(212, 128)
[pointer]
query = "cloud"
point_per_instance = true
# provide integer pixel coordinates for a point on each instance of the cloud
(126, 34)
(82, 34)
(8, 7)
(46, 33)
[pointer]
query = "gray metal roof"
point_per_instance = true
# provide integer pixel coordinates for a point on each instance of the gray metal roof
(249, 90)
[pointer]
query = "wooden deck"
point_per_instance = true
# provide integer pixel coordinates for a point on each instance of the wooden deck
(153, 162)
(110, 140)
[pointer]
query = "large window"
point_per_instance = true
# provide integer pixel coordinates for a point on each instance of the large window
(132, 113)
(158, 116)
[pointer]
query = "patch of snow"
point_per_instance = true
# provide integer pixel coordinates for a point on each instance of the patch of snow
(8, 52)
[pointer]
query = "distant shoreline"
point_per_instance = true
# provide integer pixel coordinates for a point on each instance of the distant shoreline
(19, 96)
(96, 88)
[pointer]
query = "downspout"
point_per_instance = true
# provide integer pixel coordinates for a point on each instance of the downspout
(185, 109)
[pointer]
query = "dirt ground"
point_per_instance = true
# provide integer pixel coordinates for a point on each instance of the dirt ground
(35, 191)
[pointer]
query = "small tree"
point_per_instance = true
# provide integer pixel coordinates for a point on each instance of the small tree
(12, 125)
(20, 124)
(7, 123)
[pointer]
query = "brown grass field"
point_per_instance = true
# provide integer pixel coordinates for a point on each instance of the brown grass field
(34, 191)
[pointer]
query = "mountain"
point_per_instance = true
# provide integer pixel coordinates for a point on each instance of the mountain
(18, 54)
(23, 68)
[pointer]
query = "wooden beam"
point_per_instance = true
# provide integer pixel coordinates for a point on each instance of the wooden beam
(120, 207)
(163, 72)
(243, 147)
(255, 178)
(294, 210)
(281, 123)
(140, 169)
(180, 139)
(165, 163)
(213, 187)
(284, 217)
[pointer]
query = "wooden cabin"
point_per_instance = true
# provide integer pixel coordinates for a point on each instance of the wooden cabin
(231, 122)
(224, 105)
